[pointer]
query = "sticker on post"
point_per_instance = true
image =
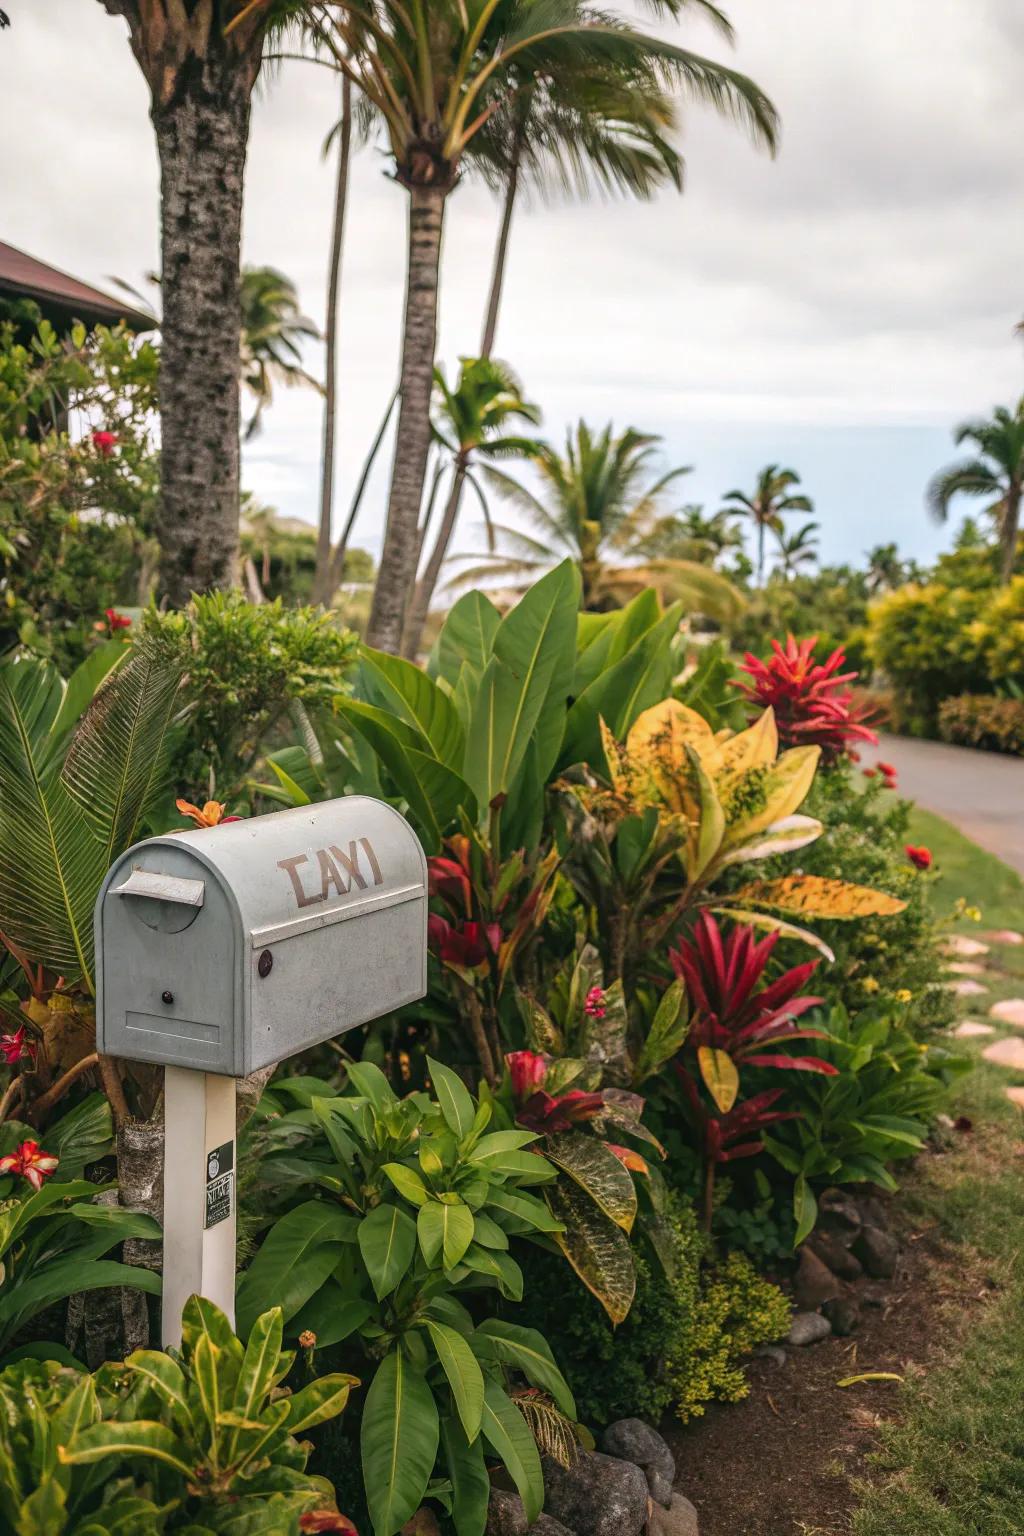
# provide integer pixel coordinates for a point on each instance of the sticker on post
(220, 1183)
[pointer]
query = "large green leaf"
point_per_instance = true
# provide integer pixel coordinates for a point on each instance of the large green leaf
(528, 1351)
(399, 1438)
(506, 1432)
(445, 1232)
(387, 1242)
(598, 1173)
(598, 1250)
(467, 1471)
(433, 791)
(621, 692)
(466, 636)
(464, 1375)
(618, 633)
(415, 698)
(65, 1277)
(298, 1254)
(454, 1097)
(530, 647)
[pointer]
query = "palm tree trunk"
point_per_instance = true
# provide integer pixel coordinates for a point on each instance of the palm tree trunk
(202, 132)
(1008, 533)
(337, 569)
(322, 591)
(420, 606)
(501, 252)
(760, 554)
(397, 571)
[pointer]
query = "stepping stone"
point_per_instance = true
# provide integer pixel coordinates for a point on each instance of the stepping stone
(1006, 1053)
(966, 968)
(966, 988)
(1005, 936)
(1009, 1012)
(1016, 1096)
(957, 944)
(972, 1029)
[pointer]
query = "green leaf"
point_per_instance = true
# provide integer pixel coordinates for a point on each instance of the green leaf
(597, 1248)
(500, 1266)
(464, 1375)
(667, 1033)
(467, 1470)
(399, 1435)
(454, 1097)
(387, 1241)
(259, 1363)
(529, 1214)
(53, 1282)
(598, 1173)
(139, 1437)
(445, 1231)
(528, 1351)
(333, 1314)
(407, 691)
(467, 635)
(506, 1432)
(408, 1183)
(83, 683)
(370, 1083)
(805, 1209)
(319, 1401)
(433, 791)
(297, 1255)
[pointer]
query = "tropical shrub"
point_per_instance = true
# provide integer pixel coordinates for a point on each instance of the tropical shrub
(831, 603)
(54, 1233)
(248, 668)
(925, 640)
(873, 1109)
(419, 1202)
(76, 514)
(738, 1310)
(810, 701)
(203, 1442)
(981, 720)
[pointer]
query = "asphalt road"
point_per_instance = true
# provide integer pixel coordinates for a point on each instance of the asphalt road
(982, 793)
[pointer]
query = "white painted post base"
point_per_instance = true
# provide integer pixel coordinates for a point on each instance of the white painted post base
(200, 1177)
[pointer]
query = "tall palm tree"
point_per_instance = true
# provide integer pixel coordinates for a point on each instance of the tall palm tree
(690, 534)
(200, 62)
(436, 86)
(273, 330)
(599, 505)
(995, 472)
(798, 548)
(765, 507)
(885, 569)
(471, 420)
(321, 585)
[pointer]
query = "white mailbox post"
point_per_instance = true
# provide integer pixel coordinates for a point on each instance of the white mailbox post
(230, 948)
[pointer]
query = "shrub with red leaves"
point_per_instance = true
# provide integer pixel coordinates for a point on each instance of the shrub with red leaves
(812, 703)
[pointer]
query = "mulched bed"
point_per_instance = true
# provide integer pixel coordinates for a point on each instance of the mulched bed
(783, 1461)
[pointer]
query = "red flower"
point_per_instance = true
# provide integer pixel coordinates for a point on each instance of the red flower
(117, 620)
(15, 1047)
(526, 1070)
(811, 704)
(594, 1007)
(466, 946)
(548, 1115)
(731, 1011)
(921, 857)
(887, 769)
(452, 878)
(104, 443)
(31, 1162)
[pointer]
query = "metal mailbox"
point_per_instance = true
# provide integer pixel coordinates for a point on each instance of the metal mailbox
(225, 949)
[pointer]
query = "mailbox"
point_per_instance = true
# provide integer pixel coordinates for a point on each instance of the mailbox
(226, 949)
(232, 947)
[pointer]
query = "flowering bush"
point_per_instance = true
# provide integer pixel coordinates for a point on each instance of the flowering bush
(982, 720)
(811, 701)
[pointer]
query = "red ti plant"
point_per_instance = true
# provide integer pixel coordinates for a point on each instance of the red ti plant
(492, 910)
(738, 1019)
(812, 704)
(725, 1138)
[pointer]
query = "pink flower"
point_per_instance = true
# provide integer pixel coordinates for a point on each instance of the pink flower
(594, 1007)
(31, 1162)
(104, 443)
(15, 1047)
(920, 857)
(527, 1070)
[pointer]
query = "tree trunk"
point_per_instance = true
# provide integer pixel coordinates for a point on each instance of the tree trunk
(760, 554)
(397, 571)
(338, 557)
(1009, 532)
(322, 589)
(501, 253)
(420, 605)
(202, 132)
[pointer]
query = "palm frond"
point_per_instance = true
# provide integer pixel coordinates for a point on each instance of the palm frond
(556, 1435)
(971, 477)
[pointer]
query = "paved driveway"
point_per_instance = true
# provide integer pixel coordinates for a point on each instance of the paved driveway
(982, 793)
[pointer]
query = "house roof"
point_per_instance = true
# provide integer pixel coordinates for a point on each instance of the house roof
(61, 297)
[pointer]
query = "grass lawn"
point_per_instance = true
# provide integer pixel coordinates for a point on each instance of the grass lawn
(954, 1465)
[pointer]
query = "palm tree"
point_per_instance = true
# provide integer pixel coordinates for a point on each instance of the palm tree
(600, 503)
(765, 507)
(690, 535)
(885, 570)
(321, 585)
(200, 62)
(273, 330)
(435, 88)
(797, 549)
(470, 420)
(996, 471)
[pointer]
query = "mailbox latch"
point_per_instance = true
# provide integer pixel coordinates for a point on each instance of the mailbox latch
(167, 903)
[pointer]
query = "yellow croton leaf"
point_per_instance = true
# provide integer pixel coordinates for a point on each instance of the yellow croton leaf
(718, 1070)
(617, 770)
(657, 744)
(706, 827)
(818, 896)
(756, 747)
(786, 787)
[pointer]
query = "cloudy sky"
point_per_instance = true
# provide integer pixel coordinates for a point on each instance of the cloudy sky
(836, 310)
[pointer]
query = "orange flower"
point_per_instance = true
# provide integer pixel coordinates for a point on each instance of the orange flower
(31, 1162)
(211, 815)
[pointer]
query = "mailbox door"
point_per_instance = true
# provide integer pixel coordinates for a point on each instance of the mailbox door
(168, 976)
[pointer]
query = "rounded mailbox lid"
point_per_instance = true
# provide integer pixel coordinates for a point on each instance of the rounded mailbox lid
(296, 870)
